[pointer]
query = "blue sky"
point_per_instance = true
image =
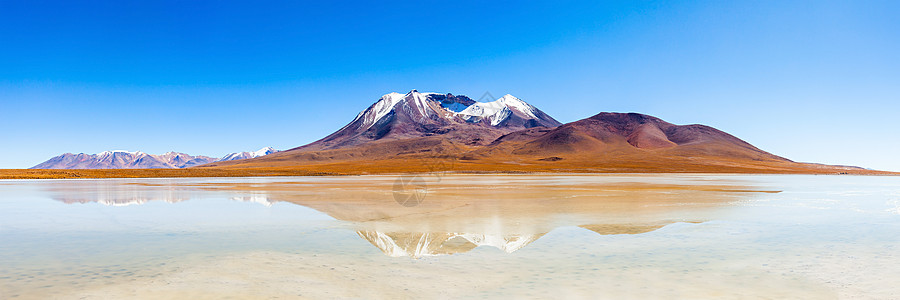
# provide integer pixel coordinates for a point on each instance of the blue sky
(815, 81)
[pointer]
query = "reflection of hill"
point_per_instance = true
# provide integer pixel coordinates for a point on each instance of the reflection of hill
(461, 213)
(622, 229)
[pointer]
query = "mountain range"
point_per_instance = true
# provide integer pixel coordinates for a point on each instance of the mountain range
(432, 132)
(120, 159)
(436, 132)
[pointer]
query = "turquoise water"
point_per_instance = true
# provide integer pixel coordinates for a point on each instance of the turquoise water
(484, 236)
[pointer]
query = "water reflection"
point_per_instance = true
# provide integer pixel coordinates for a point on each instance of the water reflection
(459, 215)
(117, 193)
(569, 236)
(419, 244)
(114, 193)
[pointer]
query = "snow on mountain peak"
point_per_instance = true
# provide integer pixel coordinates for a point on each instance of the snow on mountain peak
(107, 153)
(381, 108)
(423, 106)
(497, 110)
(421, 102)
(388, 102)
(518, 104)
(263, 152)
(245, 155)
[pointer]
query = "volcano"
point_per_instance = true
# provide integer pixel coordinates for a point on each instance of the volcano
(414, 132)
(459, 119)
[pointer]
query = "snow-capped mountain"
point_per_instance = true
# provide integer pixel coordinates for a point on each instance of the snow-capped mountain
(425, 107)
(120, 159)
(245, 155)
(415, 114)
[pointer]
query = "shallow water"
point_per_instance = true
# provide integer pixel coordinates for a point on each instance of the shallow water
(434, 236)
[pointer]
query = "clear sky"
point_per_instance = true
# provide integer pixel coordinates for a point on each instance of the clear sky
(815, 81)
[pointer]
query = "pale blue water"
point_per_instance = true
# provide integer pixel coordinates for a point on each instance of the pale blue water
(483, 236)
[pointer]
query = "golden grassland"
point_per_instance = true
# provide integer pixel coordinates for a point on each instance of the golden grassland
(428, 165)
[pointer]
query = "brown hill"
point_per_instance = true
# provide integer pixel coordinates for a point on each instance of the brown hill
(628, 133)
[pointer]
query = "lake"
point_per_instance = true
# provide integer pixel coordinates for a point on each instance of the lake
(686, 236)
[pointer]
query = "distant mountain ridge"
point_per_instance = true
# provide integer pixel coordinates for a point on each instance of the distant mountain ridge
(120, 159)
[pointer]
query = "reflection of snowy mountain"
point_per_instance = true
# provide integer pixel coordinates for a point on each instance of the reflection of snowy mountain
(261, 199)
(122, 197)
(138, 201)
(456, 221)
(115, 201)
(418, 244)
(106, 194)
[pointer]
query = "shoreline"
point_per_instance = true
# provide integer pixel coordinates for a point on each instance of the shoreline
(14, 174)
